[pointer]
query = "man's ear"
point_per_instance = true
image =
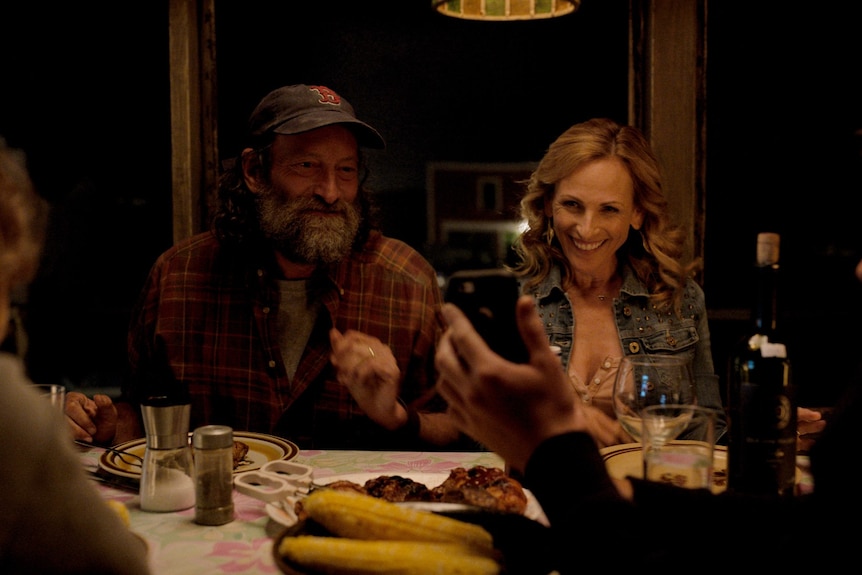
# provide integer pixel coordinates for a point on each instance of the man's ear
(252, 170)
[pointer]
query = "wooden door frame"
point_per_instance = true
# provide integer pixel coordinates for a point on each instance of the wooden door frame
(667, 100)
(194, 126)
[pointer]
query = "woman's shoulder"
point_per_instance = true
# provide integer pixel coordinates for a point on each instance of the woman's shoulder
(694, 290)
(693, 301)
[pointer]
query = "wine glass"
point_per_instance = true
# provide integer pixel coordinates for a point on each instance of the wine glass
(645, 380)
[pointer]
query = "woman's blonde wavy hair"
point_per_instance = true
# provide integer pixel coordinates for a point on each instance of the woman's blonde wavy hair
(655, 251)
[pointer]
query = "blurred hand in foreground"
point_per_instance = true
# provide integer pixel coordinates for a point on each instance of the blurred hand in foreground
(509, 407)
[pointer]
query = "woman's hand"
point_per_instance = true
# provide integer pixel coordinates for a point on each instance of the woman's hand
(605, 430)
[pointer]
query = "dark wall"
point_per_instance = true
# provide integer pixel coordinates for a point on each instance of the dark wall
(437, 88)
(784, 113)
(84, 90)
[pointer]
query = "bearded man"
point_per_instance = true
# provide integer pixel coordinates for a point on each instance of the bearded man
(293, 315)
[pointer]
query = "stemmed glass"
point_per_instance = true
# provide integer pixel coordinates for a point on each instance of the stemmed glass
(645, 380)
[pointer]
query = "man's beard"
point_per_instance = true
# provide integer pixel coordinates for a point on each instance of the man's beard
(301, 234)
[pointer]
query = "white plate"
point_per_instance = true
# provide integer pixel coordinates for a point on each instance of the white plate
(626, 460)
(262, 448)
(276, 513)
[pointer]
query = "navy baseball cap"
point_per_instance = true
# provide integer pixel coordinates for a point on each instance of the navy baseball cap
(300, 108)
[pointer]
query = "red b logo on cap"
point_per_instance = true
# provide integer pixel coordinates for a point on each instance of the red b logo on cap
(327, 96)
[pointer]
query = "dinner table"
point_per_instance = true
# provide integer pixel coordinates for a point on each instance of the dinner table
(179, 546)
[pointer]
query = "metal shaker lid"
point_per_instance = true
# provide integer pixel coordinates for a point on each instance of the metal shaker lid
(167, 427)
(212, 437)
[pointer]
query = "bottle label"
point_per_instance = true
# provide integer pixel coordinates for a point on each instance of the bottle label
(766, 348)
(762, 428)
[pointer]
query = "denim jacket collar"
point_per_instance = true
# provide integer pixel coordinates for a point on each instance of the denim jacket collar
(631, 285)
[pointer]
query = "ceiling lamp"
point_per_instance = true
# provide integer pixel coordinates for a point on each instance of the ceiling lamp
(496, 10)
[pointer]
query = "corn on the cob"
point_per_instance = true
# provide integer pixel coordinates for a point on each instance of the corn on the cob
(337, 556)
(358, 516)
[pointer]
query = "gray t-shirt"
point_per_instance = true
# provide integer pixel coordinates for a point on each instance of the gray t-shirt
(296, 317)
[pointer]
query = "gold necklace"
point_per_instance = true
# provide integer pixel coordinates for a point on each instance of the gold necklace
(601, 298)
(573, 292)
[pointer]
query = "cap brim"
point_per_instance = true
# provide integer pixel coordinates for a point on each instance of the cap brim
(366, 136)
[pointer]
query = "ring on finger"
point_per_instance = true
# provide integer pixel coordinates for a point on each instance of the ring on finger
(371, 355)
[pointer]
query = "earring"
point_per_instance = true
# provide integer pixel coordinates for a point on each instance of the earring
(549, 235)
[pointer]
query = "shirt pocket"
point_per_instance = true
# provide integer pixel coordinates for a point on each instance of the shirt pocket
(669, 341)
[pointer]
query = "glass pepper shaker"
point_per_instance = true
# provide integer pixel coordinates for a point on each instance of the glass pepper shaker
(213, 451)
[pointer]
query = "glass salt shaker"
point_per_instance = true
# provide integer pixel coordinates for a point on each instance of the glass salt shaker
(166, 477)
(213, 451)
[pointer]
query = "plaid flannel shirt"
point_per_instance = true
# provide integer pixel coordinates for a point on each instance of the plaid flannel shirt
(206, 324)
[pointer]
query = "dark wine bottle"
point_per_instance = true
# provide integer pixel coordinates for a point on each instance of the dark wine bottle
(761, 401)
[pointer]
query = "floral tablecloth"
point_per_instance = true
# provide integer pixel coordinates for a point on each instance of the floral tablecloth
(179, 546)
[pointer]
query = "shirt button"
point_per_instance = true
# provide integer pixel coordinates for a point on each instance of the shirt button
(266, 309)
(272, 363)
(606, 364)
(634, 347)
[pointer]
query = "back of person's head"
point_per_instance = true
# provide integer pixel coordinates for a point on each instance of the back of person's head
(23, 216)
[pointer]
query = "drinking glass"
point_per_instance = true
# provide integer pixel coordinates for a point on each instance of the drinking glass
(645, 380)
(55, 395)
(685, 463)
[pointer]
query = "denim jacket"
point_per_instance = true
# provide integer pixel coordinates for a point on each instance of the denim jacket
(642, 330)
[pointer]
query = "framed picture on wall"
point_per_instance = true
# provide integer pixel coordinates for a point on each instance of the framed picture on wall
(476, 244)
(473, 212)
